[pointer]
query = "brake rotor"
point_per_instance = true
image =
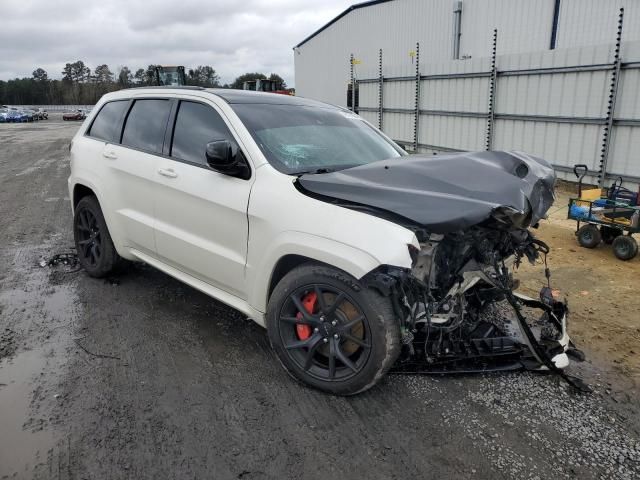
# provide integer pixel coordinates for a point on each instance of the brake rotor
(345, 313)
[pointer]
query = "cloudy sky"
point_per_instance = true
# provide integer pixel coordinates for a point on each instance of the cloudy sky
(233, 36)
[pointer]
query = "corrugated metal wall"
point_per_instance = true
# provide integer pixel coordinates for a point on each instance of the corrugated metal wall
(590, 22)
(555, 114)
(524, 25)
(558, 115)
(322, 63)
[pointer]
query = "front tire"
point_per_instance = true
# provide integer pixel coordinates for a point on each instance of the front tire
(96, 252)
(331, 332)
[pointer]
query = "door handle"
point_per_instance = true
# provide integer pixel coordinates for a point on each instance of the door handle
(110, 154)
(167, 172)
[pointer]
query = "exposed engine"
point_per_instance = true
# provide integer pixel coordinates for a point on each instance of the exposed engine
(461, 311)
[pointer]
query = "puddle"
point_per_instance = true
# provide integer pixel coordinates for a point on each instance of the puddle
(39, 316)
(20, 447)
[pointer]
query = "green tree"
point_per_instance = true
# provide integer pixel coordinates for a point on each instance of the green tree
(277, 78)
(150, 75)
(76, 72)
(40, 75)
(138, 77)
(125, 77)
(204, 76)
(246, 77)
(103, 74)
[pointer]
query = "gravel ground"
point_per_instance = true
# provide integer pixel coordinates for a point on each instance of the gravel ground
(141, 377)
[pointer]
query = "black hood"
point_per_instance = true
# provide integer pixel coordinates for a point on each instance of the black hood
(445, 193)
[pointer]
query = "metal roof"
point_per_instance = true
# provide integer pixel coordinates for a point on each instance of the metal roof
(350, 9)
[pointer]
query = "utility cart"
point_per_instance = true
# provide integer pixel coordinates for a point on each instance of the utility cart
(611, 216)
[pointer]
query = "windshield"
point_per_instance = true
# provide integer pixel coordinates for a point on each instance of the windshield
(298, 139)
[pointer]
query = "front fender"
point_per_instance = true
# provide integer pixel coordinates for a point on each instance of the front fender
(354, 261)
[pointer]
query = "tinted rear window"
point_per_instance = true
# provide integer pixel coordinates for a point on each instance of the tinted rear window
(105, 125)
(146, 124)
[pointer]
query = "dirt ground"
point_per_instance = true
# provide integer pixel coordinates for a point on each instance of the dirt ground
(141, 377)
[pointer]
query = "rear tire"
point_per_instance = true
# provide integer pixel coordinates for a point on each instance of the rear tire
(348, 341)
(589, 236)
(96, 252)
(625, 247)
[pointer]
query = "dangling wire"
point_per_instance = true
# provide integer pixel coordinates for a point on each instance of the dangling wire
(547, 271)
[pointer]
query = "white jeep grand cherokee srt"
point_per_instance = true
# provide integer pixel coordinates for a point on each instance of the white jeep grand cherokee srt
(303, 216)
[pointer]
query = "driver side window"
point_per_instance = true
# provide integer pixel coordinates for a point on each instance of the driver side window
(196, 125)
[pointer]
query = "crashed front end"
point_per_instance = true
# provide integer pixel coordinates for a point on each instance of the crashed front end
(460, 311)
(458, 304)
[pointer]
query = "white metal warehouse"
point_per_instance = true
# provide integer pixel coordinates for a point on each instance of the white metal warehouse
(560, 79)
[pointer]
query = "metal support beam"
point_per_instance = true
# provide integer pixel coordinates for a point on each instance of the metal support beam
(600, 67)
(626, 122)
(380, 91)
(554, 25)
(353, 84)
(416, 115)
(457, 28)
(613, 91)
(492, 93)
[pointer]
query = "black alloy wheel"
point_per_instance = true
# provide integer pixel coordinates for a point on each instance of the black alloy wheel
(96, 252)
(333, 343)
(331, 331)
(90, 238)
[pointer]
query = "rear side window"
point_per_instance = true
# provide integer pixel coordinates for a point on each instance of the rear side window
(197, 125)
(105, 126)
(146, 124)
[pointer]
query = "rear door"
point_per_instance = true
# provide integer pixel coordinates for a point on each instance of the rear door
(201, 215)
(132, 166)
(121, 177)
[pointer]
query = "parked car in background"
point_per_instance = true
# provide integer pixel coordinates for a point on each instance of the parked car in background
(18, 116)
(74, 115)
(4, 114)
(42, 113)
(33, 114)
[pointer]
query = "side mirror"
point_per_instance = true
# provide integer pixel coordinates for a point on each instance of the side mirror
(225, 157)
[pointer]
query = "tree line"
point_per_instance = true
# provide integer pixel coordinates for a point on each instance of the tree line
(82, 86)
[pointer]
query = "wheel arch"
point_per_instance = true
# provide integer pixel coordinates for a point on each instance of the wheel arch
(81, 188)
(292, 249)
(287, 263)
(79, 192)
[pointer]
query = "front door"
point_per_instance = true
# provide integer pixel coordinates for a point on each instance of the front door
(201, 215)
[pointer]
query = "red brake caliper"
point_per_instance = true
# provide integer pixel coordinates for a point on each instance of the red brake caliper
(309, 302)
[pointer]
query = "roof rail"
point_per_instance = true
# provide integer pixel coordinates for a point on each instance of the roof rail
(178, 87)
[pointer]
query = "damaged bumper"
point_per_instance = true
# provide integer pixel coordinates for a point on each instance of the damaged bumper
(479, 325)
